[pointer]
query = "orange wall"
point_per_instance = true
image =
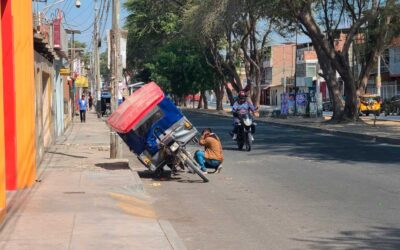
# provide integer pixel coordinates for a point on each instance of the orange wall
(2, 165)
(25, 92)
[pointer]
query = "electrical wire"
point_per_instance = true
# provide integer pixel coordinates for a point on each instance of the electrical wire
(105, 23)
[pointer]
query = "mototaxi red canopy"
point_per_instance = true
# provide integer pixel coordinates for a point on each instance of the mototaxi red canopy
(135, 107)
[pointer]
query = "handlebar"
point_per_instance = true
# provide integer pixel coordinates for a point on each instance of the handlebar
(155, 133)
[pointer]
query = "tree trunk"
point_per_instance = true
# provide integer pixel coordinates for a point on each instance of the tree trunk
(257, 89)
(333, 87)
(350, 92)
(219, 94)
(204, 99)
(200, 105)
(229, 94)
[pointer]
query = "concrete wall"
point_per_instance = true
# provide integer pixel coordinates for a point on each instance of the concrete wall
(67, 102)
(44, 120)
(25, 96)
(58, 99)
(2, 162)
(283, 62)
(7, 34)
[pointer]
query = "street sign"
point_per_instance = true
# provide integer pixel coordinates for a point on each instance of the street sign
(65, 72)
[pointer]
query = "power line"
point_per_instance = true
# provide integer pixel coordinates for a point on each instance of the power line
(105, 23)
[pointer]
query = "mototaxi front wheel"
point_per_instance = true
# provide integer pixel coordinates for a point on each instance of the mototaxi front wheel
(192, 164)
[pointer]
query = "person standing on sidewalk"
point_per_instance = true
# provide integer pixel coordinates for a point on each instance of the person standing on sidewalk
(83, 107)
(90, 101)
(212, 155)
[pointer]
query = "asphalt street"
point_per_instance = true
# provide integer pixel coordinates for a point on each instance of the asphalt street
(295, 190)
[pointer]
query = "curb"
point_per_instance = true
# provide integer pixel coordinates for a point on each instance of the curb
(137, 186)
(379, 139)
(172, 236)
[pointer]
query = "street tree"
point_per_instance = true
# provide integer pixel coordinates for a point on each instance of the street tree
(212, 24)
(368, 21)
(104, 70)
(181, 69)
(254, 28)
(150, 25)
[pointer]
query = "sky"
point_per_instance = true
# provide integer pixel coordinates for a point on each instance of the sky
(82, 18)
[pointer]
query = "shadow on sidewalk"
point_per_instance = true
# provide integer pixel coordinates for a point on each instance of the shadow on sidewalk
(73, 156)
(384, 238)
(113, 165)
(168, 176)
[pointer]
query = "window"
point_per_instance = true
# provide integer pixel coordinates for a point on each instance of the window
(144, 126)
(396, 55)
(268, 74)
(311, 70)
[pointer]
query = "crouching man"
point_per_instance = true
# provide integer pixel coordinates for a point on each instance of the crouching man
(212, 156)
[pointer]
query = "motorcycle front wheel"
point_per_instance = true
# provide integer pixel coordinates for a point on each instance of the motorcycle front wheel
(192, 164)
(248, 141)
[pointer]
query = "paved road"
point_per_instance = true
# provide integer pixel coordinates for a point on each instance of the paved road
(295, 190)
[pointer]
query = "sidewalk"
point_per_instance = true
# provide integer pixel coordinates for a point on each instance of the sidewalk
(383, 131)
(84, 200)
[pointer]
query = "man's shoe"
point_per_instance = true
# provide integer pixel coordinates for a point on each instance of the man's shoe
(234, 137)
(204, 172)
(218, 170)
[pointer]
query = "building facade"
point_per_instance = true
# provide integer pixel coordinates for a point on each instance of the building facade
(17, 129)
(279, 70)
(31, 93)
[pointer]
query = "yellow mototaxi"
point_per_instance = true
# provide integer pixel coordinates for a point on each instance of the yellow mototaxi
(370, 104)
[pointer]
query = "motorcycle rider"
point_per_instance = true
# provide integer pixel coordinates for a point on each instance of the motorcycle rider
(241, 106)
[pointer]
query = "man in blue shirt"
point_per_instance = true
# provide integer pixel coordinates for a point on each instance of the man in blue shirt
(83, 107)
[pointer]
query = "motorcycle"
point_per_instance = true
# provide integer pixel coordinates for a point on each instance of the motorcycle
(173, 152)
(156, 131)
(245, 131)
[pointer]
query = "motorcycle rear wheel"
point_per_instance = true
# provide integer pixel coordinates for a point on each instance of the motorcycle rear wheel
(240, 145)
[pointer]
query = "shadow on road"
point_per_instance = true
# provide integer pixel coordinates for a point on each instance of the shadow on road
(383, 238)
(275, 140)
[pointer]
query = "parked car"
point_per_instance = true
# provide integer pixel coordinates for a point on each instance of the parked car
(327, 106)
(392, 106)
(370, 104)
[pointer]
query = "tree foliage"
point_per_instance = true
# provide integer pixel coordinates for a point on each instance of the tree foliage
(234, 33)
(368, 23)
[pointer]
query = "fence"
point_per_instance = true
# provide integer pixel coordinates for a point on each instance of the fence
(388, 89)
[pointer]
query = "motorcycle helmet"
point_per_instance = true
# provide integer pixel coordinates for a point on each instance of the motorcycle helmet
(242, 97)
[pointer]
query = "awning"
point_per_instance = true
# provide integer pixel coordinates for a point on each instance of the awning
(136, 107)
(81, 82)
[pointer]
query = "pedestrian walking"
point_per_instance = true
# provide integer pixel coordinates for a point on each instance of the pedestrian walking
(90, 101)
(83, 107)
(212, 155)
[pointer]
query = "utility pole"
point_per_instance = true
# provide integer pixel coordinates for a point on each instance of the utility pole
(73, 32)
(116, 70)
(378, 78)
(96, 59)
(295, 73)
